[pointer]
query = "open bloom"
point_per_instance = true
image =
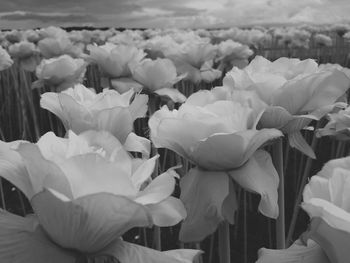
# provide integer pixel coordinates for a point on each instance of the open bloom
(159, 76)
(295, 92)
(220, 138)
(327, 201)
(61, 72)
(86, 191)
(26, 54)
(195, 59)
(81, 109)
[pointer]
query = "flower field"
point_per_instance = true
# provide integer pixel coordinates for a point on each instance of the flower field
(225, 145)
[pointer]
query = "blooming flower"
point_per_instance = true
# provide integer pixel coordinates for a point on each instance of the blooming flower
(62, 72)
(220, 138)
(81, 109)
(26, 54)
(86, 191)
(294, 91)
(159, 76)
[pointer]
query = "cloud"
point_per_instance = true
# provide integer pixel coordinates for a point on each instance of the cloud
(48, 17)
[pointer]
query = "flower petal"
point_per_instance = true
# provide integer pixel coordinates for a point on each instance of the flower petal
(260, 176)
(230, 151)
(203, 194)
(297, 141)
(169, 212)
(22, 240)
(135, 143)
(89, 223)
(43, 173)
(13, 169)
(172, 93)
(138, 107)
(127, 252)
(297, 253)
(124, 84)
(143, 171)
(158, 190)
(335, 243)
(50, 101)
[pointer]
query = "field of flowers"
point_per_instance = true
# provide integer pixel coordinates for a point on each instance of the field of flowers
(157, 146)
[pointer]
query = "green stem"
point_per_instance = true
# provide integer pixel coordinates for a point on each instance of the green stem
(280, 223)
(300, 193)
(224, 242)
(157, 242)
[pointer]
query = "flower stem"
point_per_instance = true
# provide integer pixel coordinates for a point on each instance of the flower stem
(280, 223)
(224, 242)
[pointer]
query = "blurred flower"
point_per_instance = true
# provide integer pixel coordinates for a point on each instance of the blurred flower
(55, 47)
(81, 109)
(296, 92)
(5, 59)
(323, 40)
(86, 191)
(338, 125)
(61, 73)
(159, 76)
(26, 54)
(195, 59)
(220, 138)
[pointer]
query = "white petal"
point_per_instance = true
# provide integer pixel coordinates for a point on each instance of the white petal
(135, 143)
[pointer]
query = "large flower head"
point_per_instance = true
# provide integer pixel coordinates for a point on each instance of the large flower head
(61, 72)
(81, 109)
(326, 199)
(296, 92)
(220, 138)
(86, 191)
(26, 53)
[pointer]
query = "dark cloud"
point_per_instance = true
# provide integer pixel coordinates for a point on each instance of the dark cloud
(59, 18)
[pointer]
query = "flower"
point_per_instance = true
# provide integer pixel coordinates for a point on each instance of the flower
(86, 191)
(195, 59)
(81, 109)
(220, 138)
(159, 76)
(54, 47)
(61, 72)
(295, 92)
(5, 59)
(326, 199)
(338, 125)
(26, 53)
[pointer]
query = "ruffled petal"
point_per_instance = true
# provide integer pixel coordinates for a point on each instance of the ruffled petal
(143, 171)
(169, 212)
(22, 240)
(13, 169)
(203, 194)
(127, 252)
(124, 84)
(89, 223)
(297, 253)
(260, 176)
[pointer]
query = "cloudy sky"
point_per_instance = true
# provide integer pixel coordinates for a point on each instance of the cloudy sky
(169, 13)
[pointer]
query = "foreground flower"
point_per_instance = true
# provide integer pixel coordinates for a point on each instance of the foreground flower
(327, 201)
(5, 59)
(61, 73)
(86, 191)
(159, 76)
(81, 109)
(220, 138)
(295, 92)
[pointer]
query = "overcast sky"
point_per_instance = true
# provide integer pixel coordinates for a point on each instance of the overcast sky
(169, 13)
